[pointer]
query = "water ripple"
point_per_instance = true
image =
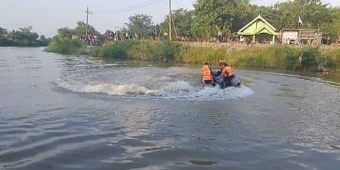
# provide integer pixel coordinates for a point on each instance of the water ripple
(80, 112)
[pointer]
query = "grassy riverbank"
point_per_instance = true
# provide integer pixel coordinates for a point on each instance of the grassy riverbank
(267, 56)
(270, 56)
(66, 46)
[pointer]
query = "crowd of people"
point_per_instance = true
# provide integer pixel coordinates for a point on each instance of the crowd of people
(120, 36)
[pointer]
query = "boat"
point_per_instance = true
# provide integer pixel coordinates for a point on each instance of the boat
(235, 82)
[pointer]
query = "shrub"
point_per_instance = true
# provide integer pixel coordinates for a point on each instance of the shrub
(65, 45)
(334, 54)
(308, 57)
(168, 51)
(292, 58)
(140, 50)
(327, 62)
(198, 55)
(119, 50)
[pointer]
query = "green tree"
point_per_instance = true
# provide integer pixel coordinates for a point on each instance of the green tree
(270, 13)
(312, 12)
(3, 31)
(21, 37)
(43, 41)
(212, 16)
(141, 25)
(332, 29)
(4, 41)
(182, 20)
(64, 43)
(25, 37)
(80, 30)
(65, 33)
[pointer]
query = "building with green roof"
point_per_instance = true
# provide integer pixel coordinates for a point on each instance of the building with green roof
(259, 30)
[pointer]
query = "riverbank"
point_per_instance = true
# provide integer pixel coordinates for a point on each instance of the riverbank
(266, 56)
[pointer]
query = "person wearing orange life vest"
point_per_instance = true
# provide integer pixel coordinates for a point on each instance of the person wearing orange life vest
(227, 74)
(207, 75)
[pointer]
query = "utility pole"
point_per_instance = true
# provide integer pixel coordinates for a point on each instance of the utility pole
(170, 21)
(87, 21)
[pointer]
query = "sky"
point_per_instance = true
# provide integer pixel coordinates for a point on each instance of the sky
(46, 16)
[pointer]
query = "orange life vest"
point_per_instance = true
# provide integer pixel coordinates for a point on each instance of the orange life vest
(228, 71)
(206, 73)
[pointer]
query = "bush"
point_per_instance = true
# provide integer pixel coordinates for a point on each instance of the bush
(198, 55)
(65, 45)
(308, 57)
(168, 51)
(333, 54)
(292, 58)
(327, 62)
(259, 57)
(117, 50)
(140, 50)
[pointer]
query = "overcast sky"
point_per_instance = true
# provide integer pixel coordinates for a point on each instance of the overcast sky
(46, 16)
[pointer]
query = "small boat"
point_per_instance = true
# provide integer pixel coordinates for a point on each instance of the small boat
(235, 82)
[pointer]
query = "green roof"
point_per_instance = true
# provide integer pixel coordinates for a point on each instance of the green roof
(258, 26)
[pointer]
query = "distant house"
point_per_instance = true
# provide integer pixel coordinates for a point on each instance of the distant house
(301, 36)
(258, 30)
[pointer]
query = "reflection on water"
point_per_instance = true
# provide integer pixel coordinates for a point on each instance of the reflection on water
(66, 112)
(286, 91)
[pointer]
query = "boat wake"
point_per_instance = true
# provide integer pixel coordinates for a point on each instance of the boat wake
(177, 90)
(119, 80)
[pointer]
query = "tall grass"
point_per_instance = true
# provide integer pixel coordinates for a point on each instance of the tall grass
(198, 55)
(64, 45)
(273, 56)
(276, 57)
(140, 50)
(255, 57)
(331, 57)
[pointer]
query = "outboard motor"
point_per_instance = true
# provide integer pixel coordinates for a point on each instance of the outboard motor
(236, 81)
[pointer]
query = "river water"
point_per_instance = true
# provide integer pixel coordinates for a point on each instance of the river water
(80, 112)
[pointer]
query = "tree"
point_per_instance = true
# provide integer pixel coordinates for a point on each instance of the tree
(140, 24)
(332, 29)
(22, 37)
(65, 32)
(270, 13)
(3, 31)
(80, 30)
(182, 20)
(43, 41)
(4, 41)
(25, 37)
(64, 43)
(213, 16)
(286, 15)
(315, 13)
